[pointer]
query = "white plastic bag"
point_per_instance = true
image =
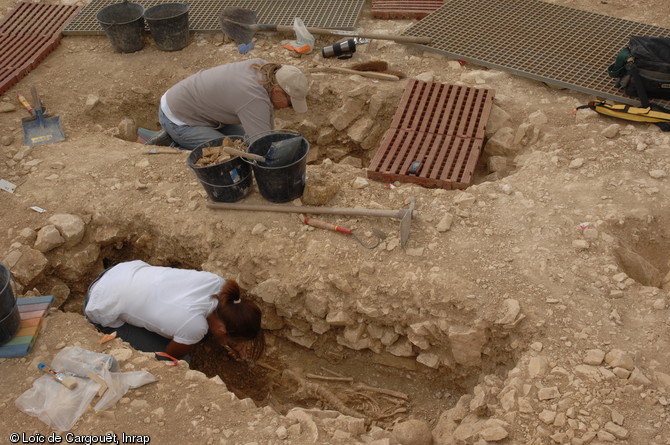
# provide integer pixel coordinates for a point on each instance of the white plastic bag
(56, 405)
(60, 407)
(304, 42)
(118, 383)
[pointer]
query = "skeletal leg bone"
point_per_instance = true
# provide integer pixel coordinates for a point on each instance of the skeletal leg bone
(321, 393)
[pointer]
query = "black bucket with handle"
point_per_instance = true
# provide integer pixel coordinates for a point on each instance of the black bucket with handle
(124, 25)
(168, 24)
(276, 182)
(10, 319)
(228, 181)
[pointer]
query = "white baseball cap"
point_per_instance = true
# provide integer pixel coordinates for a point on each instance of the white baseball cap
(296, 85)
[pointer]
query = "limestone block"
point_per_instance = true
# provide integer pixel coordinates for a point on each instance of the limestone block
(128, 130)
(594, 357)
(71, 228)
(354, 337)
(538, 118)
(502, 143)
(271, 290)
(349, 111)
(401, 348)
(429, 359)
(498, 119)
(617, 358)
(48, 238)
(637, 377)
(338, 318)
(360, 129)
(305, 339)
(28, 236)
(317, 305)
(510, 310)
(467, 344)
(412, 432)
(26, 264)
(497, 164)
(445, 222)
(389, 336)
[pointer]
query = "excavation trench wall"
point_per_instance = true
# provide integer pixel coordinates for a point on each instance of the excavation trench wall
(449, 346)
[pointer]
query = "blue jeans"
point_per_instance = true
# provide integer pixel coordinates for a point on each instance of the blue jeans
(188, 137)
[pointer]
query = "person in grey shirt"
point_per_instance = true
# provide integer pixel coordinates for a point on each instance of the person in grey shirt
(233, 99)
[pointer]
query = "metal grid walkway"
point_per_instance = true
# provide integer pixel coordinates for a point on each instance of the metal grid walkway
(404, 9)
(554, 44)
(27, 35)
(439, 129)
(203, 15)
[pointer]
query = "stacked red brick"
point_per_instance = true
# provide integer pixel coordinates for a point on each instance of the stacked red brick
(436, 136)
(27, 35)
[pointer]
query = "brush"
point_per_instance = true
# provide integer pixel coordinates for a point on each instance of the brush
(67, 381)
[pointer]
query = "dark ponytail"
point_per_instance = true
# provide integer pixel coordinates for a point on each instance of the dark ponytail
(241, 316)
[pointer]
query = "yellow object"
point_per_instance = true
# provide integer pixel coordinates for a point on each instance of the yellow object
(629, 113)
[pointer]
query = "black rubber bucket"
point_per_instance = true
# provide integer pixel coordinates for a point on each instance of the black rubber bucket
(10, 319)
(285, 183)
(229, 181)
(168, 24)
(124, 25)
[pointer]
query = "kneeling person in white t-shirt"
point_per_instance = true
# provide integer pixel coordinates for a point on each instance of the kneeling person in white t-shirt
(164, 309)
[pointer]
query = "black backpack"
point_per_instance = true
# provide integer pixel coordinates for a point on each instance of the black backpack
(642, 69)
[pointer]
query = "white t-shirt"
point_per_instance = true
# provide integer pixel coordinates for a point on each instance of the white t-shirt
(171, 302)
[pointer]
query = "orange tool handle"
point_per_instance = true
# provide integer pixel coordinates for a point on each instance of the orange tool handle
(324, 225)
(24, 102)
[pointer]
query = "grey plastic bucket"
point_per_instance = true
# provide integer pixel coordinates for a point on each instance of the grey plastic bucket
(10, 319)
(228, 181)
(168, 24)
(124, 25)
(285, 183)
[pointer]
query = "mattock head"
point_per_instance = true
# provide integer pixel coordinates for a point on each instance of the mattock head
(406, 222)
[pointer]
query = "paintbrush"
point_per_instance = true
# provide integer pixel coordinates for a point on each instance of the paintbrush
(67, 381)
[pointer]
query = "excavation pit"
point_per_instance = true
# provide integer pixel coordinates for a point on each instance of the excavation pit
(370, 384)
(642, 249)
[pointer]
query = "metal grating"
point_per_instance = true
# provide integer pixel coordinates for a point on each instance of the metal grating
(404, 9)
(441, 127)
(203, 15)
(27, 35)
(534, 39)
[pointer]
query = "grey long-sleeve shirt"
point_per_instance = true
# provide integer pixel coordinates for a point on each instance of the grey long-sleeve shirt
(226, 94)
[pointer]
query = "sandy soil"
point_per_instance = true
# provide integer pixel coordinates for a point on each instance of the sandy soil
(527, 309)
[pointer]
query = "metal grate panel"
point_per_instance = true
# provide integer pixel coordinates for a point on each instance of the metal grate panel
(404, 9)
(534, 39)
(441, 127)
(27, 35)
(203, 15)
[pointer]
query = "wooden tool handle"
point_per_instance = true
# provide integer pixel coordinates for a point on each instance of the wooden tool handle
(24, 102)
(371, 74)
(324, 225)
(244, 154)
(334, 32)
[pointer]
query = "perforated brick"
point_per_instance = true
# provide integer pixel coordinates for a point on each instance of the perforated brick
(436, 136)
(27, 35)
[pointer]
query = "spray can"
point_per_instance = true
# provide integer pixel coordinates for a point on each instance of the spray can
(67, 381)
